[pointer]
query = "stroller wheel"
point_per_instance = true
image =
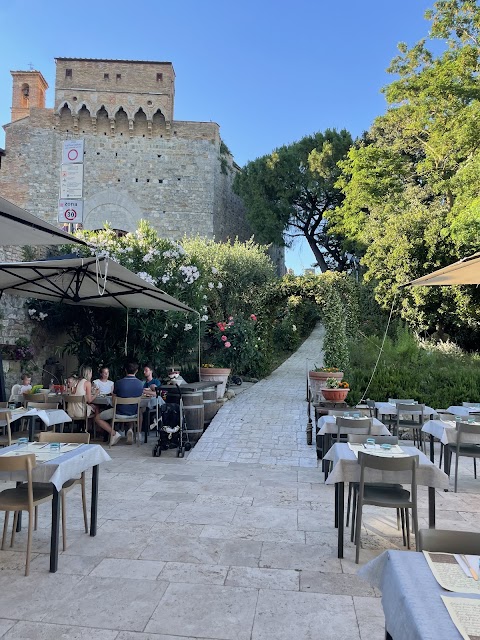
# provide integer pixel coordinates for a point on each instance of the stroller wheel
(180, 452)
(154, 452)
(188, 446)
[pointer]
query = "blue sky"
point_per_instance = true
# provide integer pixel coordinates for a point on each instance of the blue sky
(268, 72)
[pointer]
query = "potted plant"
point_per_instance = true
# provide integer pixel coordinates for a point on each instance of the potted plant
(318, 379)
(210, 373)
(335, 390)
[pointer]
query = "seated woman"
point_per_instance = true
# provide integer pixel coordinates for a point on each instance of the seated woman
(150, 385)
(103, 384)
(83, 388)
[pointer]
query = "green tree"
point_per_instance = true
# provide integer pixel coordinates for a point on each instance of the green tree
(411, 185)
(288, 192)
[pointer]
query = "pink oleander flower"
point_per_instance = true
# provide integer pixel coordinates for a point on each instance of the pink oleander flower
(224, 338)
(227, 345)
(253, 317)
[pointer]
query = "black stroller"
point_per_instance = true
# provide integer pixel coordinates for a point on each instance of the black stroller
(171, 425)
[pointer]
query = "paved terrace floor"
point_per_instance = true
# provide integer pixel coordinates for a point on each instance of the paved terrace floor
(234, 543)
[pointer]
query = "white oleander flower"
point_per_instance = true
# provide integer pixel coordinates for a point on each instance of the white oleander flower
(188, 327)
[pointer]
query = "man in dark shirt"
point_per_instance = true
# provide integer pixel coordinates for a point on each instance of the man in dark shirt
(128, 387)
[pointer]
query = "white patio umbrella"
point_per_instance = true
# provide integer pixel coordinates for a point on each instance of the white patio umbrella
(465, 271)
(18, 227)
(93, 281)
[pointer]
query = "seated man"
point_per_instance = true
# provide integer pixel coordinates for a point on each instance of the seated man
(128, 387)
(151, 383)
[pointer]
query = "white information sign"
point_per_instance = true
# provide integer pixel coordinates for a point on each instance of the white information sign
(71, 181)
(70, 211)
(72, 151)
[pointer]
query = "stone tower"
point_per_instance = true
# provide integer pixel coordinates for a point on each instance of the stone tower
(29, 89)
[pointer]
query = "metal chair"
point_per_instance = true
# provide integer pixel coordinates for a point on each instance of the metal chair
(387, 496)
(120, 419)
(371, 408)
(347, 425)
(443, 541)
(467, 445)
(80, 438)
(19, 499)
(413, 423)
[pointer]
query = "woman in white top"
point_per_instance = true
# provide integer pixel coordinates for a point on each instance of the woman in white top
(103, 384)
(84, 388)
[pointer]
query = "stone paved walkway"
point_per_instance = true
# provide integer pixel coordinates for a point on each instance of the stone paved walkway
(213, 548)
(266, 424)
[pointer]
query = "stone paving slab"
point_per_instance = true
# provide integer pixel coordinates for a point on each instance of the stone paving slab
(212, 548)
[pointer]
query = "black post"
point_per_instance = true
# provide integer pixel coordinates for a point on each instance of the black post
(3, 392)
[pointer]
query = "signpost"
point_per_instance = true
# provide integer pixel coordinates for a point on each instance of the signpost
(70, 204)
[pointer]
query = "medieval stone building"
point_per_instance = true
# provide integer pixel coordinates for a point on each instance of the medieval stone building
(139, 162)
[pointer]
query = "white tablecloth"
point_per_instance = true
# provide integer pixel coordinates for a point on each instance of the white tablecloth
(347, 469)
(462, 411)
(49, 417)
(63, 468)
(411, 598)
(389, 409)
(326, 424)
(446, 432)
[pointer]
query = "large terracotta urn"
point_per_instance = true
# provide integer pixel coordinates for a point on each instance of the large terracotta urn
(318, 382)
(215, 374)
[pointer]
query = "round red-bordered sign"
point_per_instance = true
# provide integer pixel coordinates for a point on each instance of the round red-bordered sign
(70, 214)
(72, 155)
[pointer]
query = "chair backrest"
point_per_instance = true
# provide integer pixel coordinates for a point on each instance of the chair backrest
(362, 438)
(53, 436)
(336, 412)
(402, 401)
(25, 463)
(444, 541)
(122, 401)
(79, 409)
(42, 405)
(5, 416)
(35, 397)
(3, 405)
(16, 390)
(404, 407)
(468, 434)
(349, 425)
(381, 463)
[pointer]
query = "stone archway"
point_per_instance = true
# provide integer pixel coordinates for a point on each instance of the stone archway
(112, 206)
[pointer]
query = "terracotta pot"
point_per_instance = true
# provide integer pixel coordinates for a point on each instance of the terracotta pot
(335, 395)
(318, 381)
(214, 374)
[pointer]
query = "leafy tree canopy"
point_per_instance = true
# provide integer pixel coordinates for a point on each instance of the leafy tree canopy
(288, 192)
(411, 185)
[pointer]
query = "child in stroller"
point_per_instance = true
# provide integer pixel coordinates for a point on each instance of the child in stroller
(172, 429)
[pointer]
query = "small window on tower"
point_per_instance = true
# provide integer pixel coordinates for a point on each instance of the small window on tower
(119, 76)
(68, 73)
(106, 76)
(159, 77)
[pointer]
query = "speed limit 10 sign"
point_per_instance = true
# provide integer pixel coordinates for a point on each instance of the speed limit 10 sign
(70, 211)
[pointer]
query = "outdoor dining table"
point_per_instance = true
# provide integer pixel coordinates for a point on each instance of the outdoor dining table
(347, 469)
(57, 471)
(462, 411)
(327, 426)
(446, 432)
(49, 417)
(390, 409)
(411, 597)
